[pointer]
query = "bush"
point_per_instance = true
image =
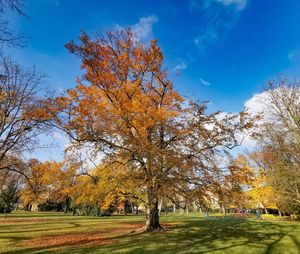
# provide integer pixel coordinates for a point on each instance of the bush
(295, 217)
(268, 216)
(51, 206)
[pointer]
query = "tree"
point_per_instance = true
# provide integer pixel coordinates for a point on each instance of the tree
(50, 181)
(262, 193)
(279, 177)
(230, 183)
(35, 190)
(10, 187)
(127, 108)
(9, 194)
(283, 99)
(280, 142)
(19, 126)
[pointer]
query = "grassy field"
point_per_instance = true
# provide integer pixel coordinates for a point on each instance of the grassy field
(34, 232)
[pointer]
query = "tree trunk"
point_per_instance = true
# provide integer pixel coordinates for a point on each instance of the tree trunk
(160, 206)
(152, 214)
(67, 204)
(194, 206)
(174, 208)
(182, 205)
(223, 209)
(137, 209)
(181, 211)
(132, 208)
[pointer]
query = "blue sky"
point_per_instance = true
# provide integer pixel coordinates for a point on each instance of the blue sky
(217, 50)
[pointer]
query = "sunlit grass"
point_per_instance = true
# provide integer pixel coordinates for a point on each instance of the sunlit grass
(60, 233)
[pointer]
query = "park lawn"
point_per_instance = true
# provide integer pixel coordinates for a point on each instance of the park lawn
(37, 232)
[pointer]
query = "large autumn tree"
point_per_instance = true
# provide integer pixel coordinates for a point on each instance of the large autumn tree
(127, 108)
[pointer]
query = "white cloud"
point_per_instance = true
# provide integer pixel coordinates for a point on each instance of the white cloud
(144, 28)
(204, 82)
(248, 143)
(257, 105)
(180, 67)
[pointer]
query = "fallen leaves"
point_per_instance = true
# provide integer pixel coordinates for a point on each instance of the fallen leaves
(92, 238)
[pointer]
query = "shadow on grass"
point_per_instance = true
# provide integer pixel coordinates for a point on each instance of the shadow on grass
(68, 225)
(214, 235)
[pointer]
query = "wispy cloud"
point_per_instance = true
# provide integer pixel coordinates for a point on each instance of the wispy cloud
(179, 68)
(294, 55)
(200, 4)
(218, 18)
(239, 4)
(204, 82)
(205, 37)
(144, 28)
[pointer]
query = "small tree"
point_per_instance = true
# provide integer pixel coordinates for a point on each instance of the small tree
(9, 196)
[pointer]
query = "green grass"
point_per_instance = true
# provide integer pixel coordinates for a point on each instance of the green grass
(34, 232)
